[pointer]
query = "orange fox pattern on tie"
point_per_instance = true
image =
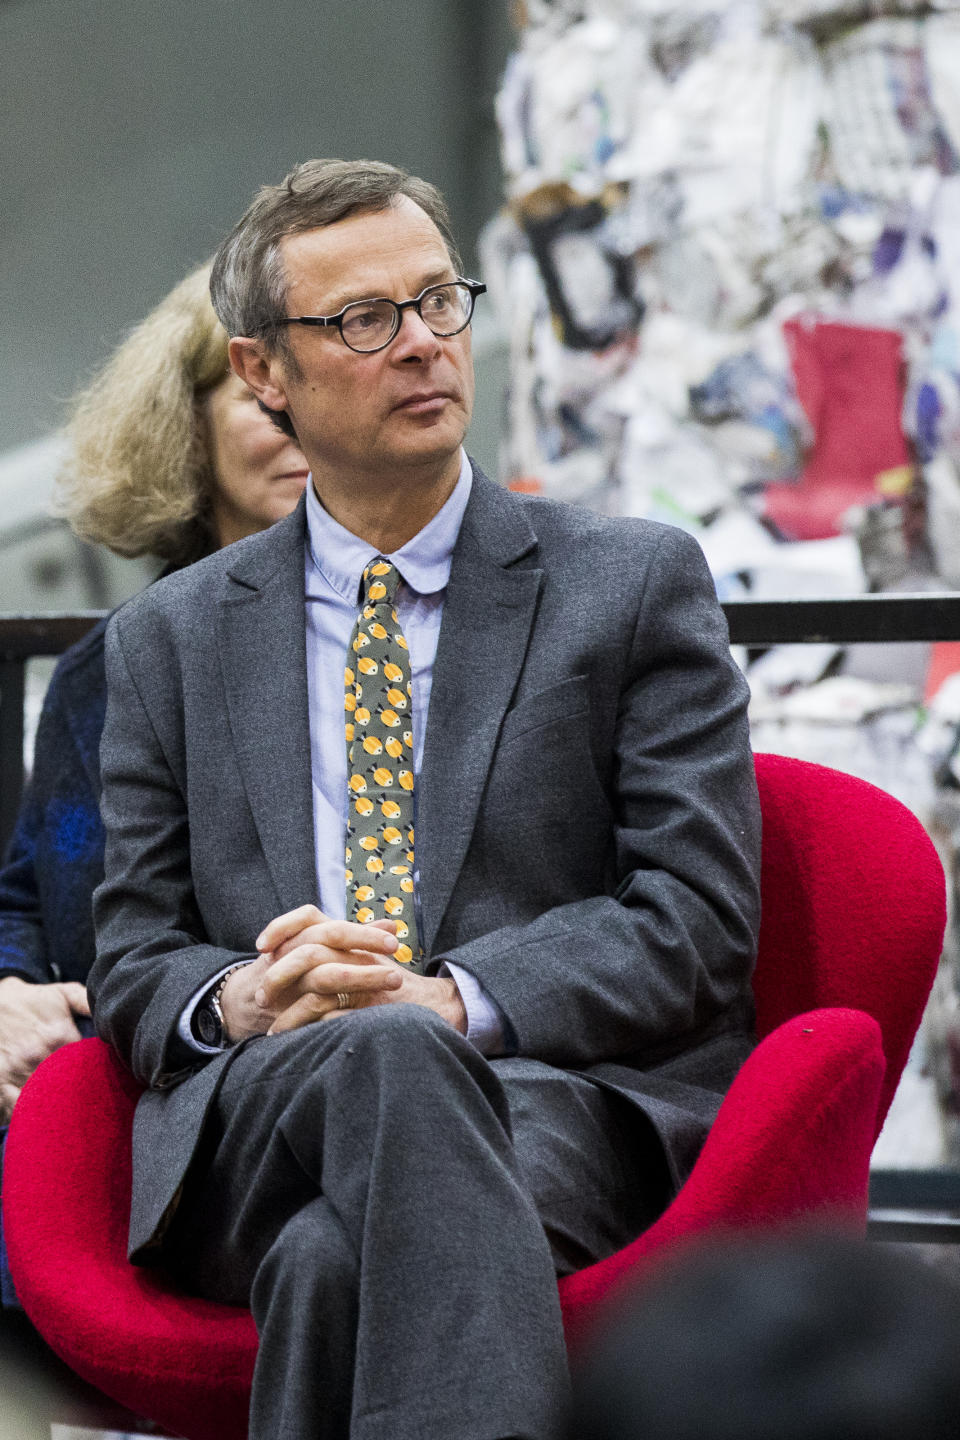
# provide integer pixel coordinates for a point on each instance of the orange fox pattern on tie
(379, 734)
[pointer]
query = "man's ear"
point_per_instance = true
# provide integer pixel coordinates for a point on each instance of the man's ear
(260, 370)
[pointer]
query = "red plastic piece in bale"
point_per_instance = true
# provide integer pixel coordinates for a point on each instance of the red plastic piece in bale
(944, 662)
(850, 382)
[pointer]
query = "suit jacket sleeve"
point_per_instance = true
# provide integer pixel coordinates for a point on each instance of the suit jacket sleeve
(146, 912)
(666, 953)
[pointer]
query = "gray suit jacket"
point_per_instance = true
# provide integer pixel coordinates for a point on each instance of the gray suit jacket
(587, 828)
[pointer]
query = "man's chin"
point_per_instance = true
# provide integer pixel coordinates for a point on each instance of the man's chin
(436, 445)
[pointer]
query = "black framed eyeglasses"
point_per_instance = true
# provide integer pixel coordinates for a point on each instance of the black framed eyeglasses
(368, 325)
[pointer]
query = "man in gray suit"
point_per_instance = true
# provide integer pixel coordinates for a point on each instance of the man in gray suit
(392, 1096)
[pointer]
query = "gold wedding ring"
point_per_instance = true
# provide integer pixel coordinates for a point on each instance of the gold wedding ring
(343, 1000)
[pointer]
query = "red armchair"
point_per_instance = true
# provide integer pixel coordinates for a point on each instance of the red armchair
(854, 910)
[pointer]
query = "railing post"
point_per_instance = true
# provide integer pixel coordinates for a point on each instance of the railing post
(22, 636)
(12, 692)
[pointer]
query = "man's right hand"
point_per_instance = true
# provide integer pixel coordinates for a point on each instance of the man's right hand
(340, 956)
(35, 1020)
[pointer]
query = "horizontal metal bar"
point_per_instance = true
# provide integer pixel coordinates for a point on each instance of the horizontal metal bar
(918, 1206)
(918, 1227)
(928, 1190)
(24, 635)
(852, 619)
(862, 619)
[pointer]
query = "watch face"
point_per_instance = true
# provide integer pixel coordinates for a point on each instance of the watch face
(209, 1028)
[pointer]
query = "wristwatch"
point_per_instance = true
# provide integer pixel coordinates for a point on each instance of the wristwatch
(208, 1026)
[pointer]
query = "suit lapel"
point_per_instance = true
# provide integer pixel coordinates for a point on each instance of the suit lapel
(262, 640)
(487, 618)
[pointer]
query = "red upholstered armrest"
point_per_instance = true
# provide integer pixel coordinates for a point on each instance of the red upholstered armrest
(793, 1138)
(66, 1199)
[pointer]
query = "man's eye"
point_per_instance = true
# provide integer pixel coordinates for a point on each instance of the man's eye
(438, 300)
(358, 320)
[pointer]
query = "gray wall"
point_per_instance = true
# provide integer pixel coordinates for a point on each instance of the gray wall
(134, 134)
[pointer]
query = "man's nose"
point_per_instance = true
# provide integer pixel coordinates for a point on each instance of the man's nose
(414, 339)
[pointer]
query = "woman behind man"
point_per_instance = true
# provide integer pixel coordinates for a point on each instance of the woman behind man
(172, 457)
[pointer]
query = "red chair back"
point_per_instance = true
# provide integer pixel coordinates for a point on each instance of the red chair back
(853, 905)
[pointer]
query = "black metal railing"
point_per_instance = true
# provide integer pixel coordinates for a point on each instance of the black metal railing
(22, 637)
(754, 623)
(855, 619)
(918, 1205)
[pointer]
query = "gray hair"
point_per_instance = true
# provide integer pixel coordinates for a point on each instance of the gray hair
(248, 284)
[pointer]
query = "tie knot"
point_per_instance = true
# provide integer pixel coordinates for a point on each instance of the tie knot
(380, 581)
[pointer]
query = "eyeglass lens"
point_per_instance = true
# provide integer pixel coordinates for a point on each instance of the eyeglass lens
(370, 324)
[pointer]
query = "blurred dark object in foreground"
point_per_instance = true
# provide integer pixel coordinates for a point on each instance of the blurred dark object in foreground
(803, 1337)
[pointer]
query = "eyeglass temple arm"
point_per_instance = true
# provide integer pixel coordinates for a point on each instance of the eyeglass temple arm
(309, 320)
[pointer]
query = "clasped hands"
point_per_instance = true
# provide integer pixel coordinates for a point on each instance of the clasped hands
(307, 960)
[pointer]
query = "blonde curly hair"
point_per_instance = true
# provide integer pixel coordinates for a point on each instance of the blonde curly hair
(137, 477)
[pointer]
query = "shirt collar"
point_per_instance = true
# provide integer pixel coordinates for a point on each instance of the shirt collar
(424, 562)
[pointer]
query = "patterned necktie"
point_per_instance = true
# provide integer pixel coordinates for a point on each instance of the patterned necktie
(379, 731)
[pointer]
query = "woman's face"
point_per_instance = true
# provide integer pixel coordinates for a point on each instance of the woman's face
(258, 474)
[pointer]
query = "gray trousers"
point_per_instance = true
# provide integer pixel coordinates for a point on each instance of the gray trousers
(395, 1209)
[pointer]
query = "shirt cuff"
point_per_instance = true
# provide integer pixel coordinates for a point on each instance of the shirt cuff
(185, 1023)
(485, 1020)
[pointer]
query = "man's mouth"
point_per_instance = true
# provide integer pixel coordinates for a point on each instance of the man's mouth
(424, 402)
